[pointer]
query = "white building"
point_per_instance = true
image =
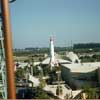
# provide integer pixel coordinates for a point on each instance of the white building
(78, 75)
(73, 57)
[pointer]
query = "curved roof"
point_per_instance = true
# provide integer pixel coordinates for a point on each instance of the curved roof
(72, 56)
(61, 61)
(82, 67)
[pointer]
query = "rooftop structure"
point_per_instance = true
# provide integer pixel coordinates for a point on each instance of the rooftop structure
(82, 67)
(81, 74)
(73, 57)
(54, 59)
(61, 61)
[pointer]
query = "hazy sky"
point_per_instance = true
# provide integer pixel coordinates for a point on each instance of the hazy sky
(33, 21)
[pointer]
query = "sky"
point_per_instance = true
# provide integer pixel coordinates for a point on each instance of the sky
(34, 21)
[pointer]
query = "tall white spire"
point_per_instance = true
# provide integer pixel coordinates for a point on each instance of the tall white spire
(53, 61)
(52, 57)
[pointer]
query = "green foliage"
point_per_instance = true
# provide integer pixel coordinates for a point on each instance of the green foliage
(41, 59)
(36, 71)
(91, 92)
(65, 58)
(53, 76)
(46, 70)
(40, 94)
(42, 82)
(0, 76)
(1, 96)
(87, 59)
(30, 51)
(96, 57)
(90, 58)
(20, 73)
(87, 45)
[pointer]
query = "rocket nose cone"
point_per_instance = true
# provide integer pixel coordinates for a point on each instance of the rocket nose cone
(51, 38)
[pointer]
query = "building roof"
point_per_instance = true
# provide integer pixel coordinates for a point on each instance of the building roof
(72, 56)
(82, 67)
(61, 61)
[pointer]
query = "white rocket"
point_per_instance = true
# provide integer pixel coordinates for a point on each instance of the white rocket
(53, 61)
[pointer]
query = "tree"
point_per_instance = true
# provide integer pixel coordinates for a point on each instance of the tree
(35, 71)
(91, 92)
(20, 73)
(46, 70)
(42, 82)
(40, 94)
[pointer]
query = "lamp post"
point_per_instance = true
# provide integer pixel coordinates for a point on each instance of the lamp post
(8, 49)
